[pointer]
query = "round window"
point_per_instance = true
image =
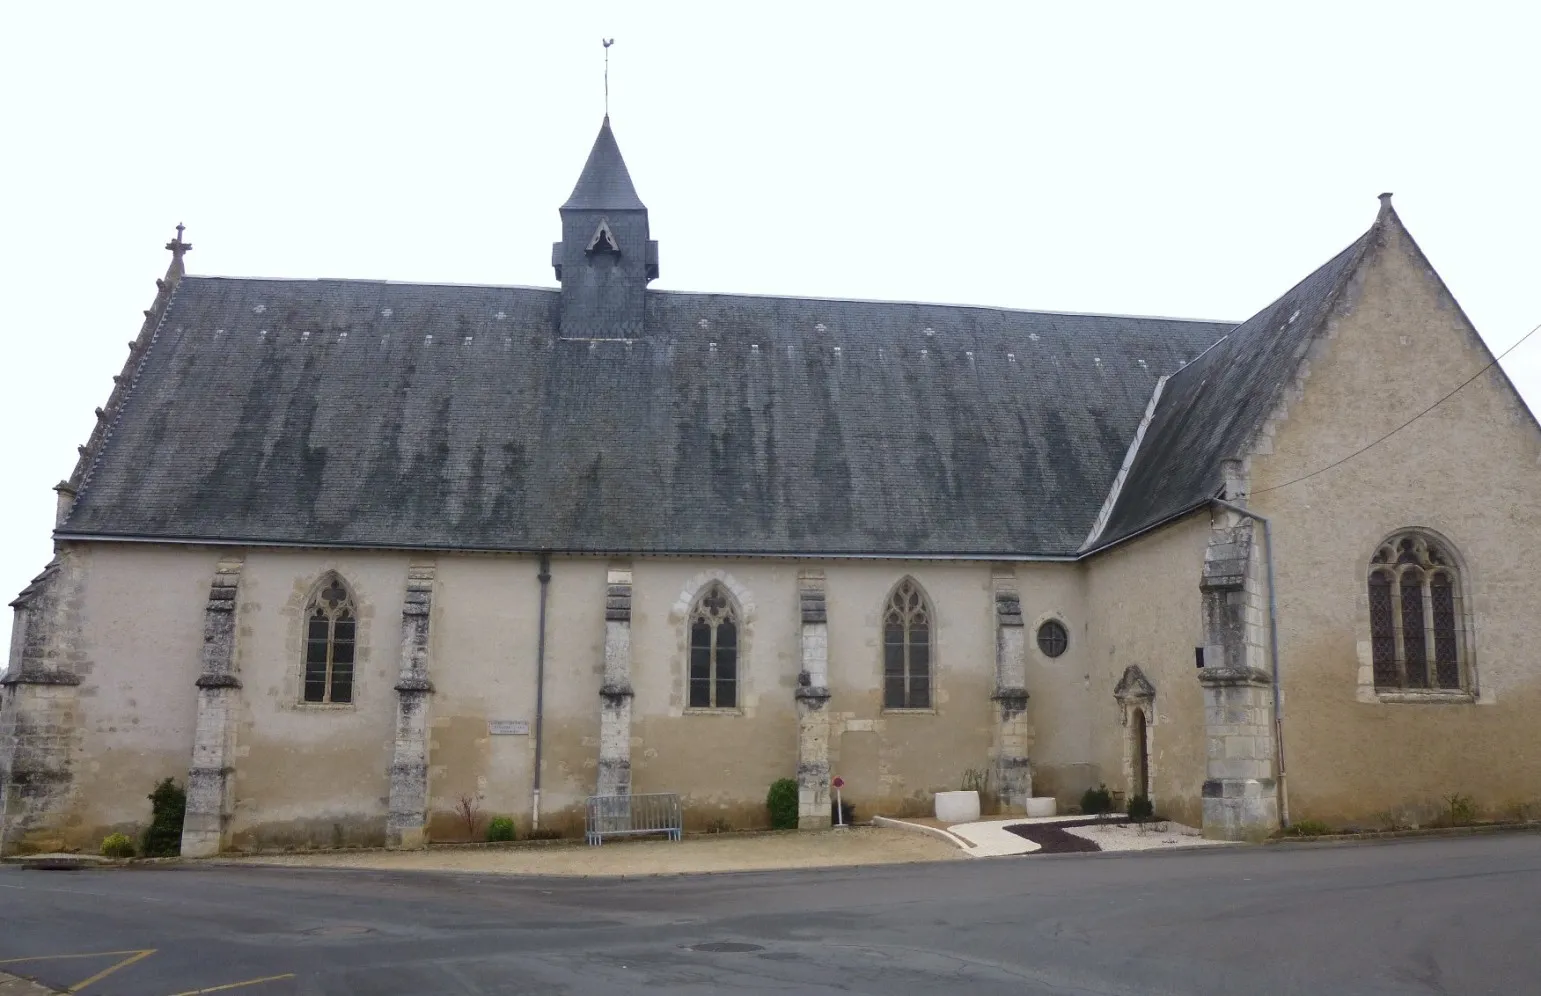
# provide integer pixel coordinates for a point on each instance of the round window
(1052, 638)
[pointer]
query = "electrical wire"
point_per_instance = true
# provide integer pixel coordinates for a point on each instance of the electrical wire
(1376, 442)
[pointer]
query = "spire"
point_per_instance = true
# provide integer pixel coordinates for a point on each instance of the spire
(604, 184)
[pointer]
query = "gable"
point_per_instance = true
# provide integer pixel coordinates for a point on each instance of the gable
(1397, 385)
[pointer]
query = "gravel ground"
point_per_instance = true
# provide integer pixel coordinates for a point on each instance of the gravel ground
(1129, 837)
(705, 853)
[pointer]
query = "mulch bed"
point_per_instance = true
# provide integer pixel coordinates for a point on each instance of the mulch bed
(1051, 838)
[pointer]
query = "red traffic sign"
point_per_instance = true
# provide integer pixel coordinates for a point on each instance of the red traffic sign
(838, 782)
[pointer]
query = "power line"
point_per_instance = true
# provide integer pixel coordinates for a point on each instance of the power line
(1376, 442)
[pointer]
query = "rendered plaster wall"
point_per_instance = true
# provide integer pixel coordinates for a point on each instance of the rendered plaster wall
(135, 635)
(1468, 471)
(306, 774)
(721, 762)
(1144, 609)
(1060, 712)
(484, 633)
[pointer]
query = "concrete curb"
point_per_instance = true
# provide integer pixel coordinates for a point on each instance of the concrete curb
(1374, 835)
(15, 985)
(940, 834)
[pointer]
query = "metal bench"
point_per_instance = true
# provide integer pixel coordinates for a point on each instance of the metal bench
(633, 815)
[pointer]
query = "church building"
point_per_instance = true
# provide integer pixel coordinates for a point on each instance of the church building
(343, 556)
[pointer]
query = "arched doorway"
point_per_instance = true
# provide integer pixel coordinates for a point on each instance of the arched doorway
(1140, 755)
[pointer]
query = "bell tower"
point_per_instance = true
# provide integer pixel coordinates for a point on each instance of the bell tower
(605, 258)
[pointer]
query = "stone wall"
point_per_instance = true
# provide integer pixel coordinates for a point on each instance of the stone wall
(1467, 471)
(1144, 609)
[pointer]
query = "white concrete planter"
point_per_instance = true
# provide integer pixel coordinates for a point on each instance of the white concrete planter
(1040, 805)
(957, 807)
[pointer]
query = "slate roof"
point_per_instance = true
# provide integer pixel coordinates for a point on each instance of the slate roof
(605, 183)
(1212, 409)
(452, 417)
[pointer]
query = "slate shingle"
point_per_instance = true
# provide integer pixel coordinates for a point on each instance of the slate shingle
(452, 417)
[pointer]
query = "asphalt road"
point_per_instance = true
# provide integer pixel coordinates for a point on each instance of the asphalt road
(1426, 916)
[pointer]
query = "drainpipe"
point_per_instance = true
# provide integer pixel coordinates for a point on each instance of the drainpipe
(540, 680)
(1273, 651)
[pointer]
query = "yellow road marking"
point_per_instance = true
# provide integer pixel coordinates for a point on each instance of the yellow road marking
(99, 976)
(235, 985)
(88, 954)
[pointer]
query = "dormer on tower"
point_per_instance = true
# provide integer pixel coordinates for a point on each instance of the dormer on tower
(605, 258)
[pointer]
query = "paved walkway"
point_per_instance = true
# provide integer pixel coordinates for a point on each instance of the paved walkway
(651, 856)
(990, 838)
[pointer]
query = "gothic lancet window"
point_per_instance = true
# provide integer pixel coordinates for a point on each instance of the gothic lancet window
(907, 648)
(331, 623)
(1418, 638)
(714, 630)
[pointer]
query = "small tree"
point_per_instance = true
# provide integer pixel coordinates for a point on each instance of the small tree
(168, 805)
(781, 800)
(469, 811)
(500, 828)
(1141, 810)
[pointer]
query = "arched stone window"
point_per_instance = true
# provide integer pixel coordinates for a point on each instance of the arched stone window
(714, 644)
(1418, 632)
(907, 648)
(331, 623)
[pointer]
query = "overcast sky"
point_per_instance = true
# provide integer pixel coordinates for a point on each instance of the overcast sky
(1155, 159)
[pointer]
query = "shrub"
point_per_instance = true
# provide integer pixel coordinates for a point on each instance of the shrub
(1141, 809)
(500, 828)
(117, 845)
(781, 800)
(1096, 801)
(976, 780)
(1462, 809)
(168, 804)
(1308, 828)
(468, 808)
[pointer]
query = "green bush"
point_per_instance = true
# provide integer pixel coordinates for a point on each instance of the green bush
(781, 800)
(500, 828)
(1141, 810)
(117, 845)
(168, 804)
(1462, 809)
(1095, 802)
(1308, 828)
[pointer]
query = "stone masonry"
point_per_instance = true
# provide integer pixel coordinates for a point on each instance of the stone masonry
(813, 810)
(615, 694)
(209, 781)
(407, 822)
(1240, 794)
(1013, 735)
(39, 712)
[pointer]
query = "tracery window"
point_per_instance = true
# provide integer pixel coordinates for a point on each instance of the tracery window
(907, 648)
(1417, 632)
(714, 631)
(331, 624)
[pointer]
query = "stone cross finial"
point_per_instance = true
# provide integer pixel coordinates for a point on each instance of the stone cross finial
(177, 247)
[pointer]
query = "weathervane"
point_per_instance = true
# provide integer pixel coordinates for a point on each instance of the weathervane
(607, 43)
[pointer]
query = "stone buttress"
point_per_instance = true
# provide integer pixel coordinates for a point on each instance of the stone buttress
(210, 782)
(40, 712)
(1013, 735)
(406, 825)
(813, 807)
(1240, 792)
(614, 776)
